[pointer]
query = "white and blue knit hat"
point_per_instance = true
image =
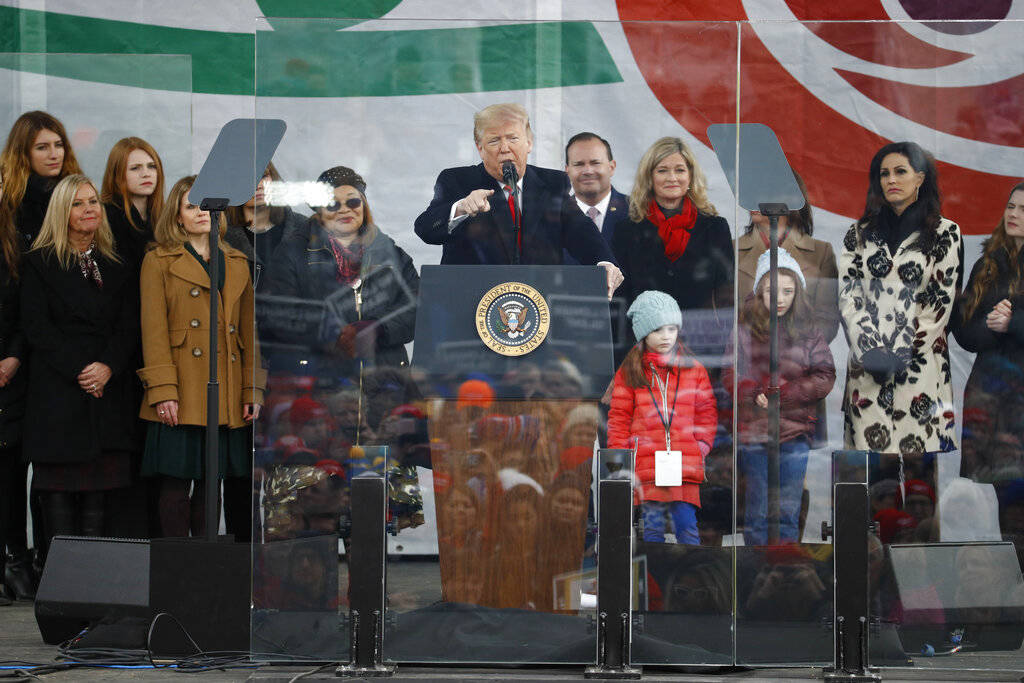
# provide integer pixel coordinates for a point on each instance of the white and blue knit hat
(786, 261)
(651, 310)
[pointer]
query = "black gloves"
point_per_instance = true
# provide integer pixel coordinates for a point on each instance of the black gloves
(881, 363)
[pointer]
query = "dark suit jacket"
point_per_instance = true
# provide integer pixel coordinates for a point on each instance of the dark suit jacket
(618, 212)
(551, 221)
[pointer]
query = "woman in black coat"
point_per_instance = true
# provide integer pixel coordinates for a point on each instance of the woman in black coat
(80, 318)
(676, 243)
(12, 401)
(366, 284)
(256, 229)
(989, 320)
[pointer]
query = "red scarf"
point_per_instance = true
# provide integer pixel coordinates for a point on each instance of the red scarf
(675, 231)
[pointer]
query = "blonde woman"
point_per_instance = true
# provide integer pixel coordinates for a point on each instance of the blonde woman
(80, 319)
(175, 286)
(675, 241)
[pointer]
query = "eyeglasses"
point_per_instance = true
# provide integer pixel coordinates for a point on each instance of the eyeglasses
(352, 203)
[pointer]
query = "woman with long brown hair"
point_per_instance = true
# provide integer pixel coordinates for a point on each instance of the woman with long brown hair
(80, 319)
(989, 320)
(133, 196)
(175, 286)
(36, 157)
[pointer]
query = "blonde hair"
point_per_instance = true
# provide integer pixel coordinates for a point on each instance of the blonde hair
(15, 160)
(168, 231)
(643, 186)
(497, 113)
(115, 189)
(54, 233)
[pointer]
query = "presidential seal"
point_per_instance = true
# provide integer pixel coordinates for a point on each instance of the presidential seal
(512, 319)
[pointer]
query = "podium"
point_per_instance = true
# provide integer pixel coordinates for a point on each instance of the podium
(513, 361)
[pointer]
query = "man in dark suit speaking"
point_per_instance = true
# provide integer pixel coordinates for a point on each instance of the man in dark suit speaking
(475, 210)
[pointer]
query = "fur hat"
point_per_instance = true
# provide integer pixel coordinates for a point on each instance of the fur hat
(786, 261)
(651, 310)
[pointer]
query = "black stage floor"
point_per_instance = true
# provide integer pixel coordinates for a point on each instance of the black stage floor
(20, 641)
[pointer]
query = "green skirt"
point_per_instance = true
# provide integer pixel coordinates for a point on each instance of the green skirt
(180, 451)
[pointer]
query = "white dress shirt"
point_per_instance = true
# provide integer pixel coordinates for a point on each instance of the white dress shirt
(601, 206)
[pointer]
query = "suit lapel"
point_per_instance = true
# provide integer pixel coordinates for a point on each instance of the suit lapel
(618, 210)
(500, 215)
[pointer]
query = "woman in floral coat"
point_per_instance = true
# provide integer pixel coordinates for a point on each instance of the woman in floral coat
(901, 269)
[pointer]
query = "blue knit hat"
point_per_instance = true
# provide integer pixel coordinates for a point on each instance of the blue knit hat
(651, 310)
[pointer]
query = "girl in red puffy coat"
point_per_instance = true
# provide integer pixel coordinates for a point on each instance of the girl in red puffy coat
(662, 401)
(806, 375)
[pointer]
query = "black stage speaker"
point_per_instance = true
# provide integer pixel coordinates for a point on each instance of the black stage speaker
(957, 594)
(206, 586)
(88, 579)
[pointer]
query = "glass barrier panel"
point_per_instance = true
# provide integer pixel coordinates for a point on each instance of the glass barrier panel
(924, 383)
(686, 533)
(783, 594)
(490, 518)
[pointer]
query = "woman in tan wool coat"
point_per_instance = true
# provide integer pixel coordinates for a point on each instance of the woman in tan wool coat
(175, 288)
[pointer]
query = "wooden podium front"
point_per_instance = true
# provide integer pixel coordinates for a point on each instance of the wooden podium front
(512, 422)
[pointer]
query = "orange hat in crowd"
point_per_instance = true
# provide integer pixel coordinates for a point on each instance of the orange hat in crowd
(475, 393)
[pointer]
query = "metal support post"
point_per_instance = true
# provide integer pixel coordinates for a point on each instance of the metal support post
(614, 581)
(850, 553)
(366, 566)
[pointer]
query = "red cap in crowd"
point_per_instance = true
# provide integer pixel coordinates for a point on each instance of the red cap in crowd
(891, 522)
(915, 487)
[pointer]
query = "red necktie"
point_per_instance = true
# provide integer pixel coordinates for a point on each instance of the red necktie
(512, 210)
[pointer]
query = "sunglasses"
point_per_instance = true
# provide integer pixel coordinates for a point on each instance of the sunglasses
(351, 202)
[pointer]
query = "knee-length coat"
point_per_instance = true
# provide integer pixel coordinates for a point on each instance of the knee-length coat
(901, 302)
(176, 337)
(992, 448)
(69, 323)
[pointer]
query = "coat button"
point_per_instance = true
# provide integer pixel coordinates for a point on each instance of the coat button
(234, 357)
(197, 352)
(194, 291)
(231, 329)
(194, 322)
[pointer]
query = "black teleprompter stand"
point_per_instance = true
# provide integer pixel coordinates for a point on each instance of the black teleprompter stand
(614, 581)
(763, 181)
(850, 552)
(366, 567)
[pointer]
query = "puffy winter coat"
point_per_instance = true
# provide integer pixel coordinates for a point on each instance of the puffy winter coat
(806, 375)
(634, 416)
